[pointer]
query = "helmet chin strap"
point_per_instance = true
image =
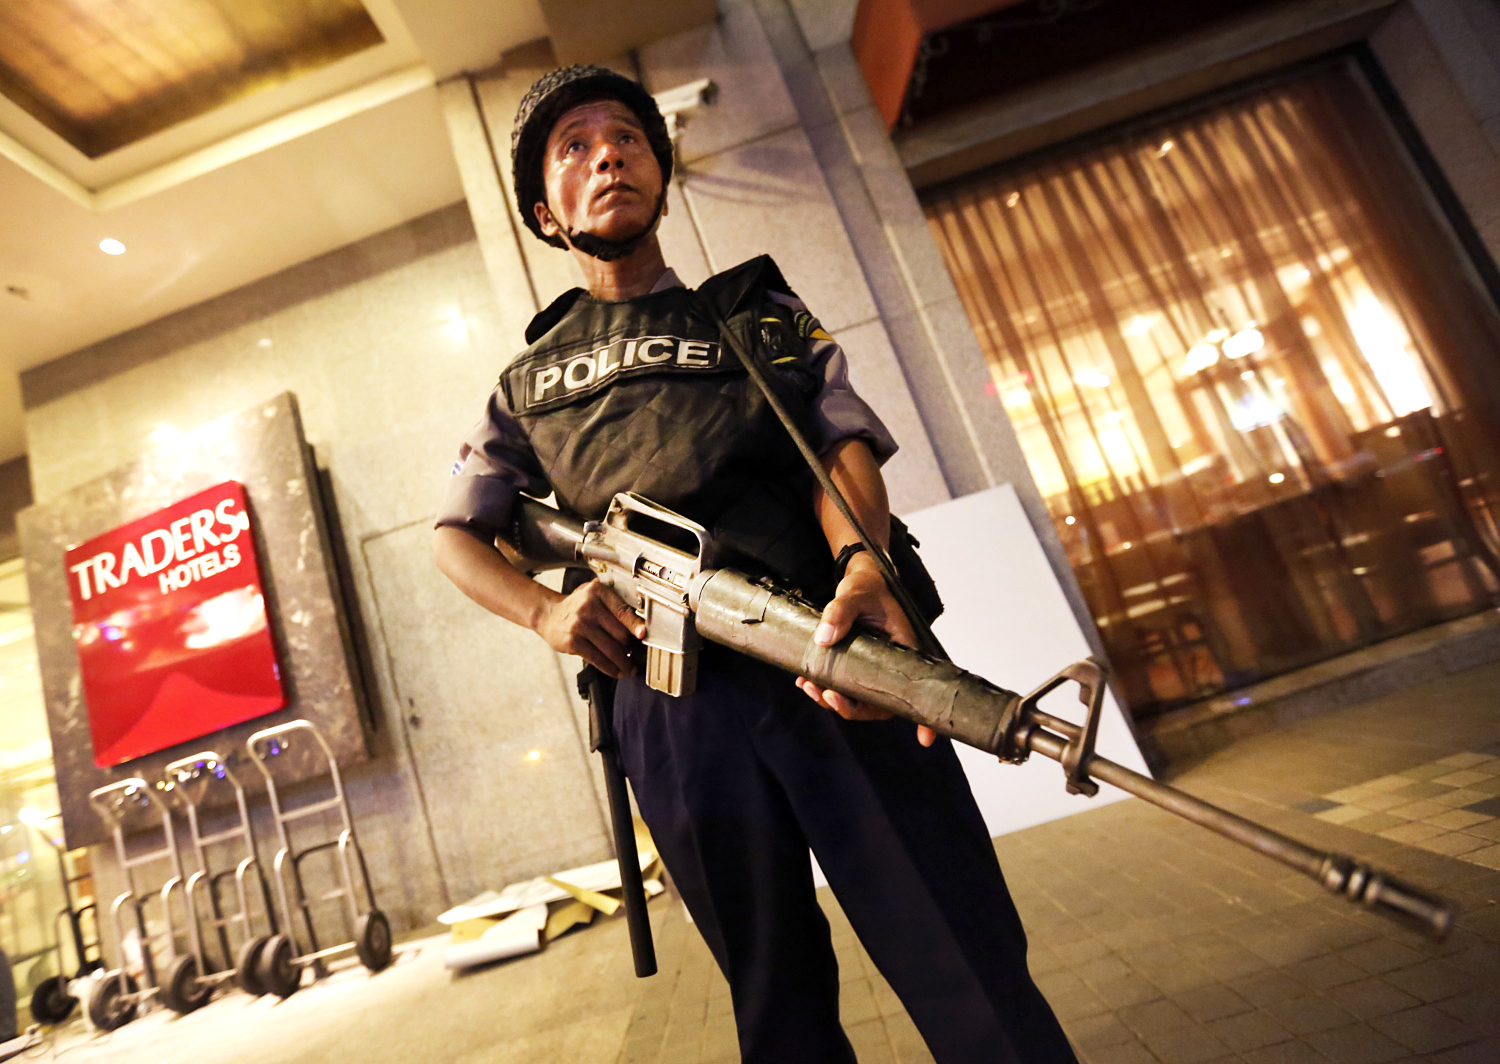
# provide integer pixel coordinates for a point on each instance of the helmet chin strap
(610, 250)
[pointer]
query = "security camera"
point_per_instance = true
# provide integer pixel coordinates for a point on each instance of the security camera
(677, 104)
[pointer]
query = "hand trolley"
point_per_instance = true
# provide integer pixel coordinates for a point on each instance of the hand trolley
(191, 976)
(52, 1001)
(283, 958)
(116, 998)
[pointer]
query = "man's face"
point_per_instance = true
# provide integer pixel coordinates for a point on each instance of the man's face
(600, 173)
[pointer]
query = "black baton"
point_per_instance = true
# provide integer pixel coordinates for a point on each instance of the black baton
(600, 693)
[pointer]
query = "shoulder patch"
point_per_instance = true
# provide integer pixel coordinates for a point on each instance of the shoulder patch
(809, 328)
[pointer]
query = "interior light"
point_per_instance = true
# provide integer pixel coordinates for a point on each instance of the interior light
(1393, 432)
(1019, 397)
(1140, 325)
(1093, 378)
(1243, 343)
(1278, 383)
(110, 246)
(264, 341)
(30, 816)
(1248, 375)
(1217, 336)
(455, 326)
(166, 435)
(1200, 357)
(533, 755)
(1012, 199)
(1114, 417)
(1070, 519)
(1166, 146)
(1277, 478)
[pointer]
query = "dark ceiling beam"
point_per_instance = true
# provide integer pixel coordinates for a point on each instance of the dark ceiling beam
(888, 35)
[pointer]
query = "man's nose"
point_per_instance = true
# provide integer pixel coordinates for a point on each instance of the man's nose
(608, 158)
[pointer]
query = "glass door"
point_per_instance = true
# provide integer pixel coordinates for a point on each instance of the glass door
(1248, 370)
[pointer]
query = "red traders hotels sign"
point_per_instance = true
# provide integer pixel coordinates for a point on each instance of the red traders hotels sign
(170, 623)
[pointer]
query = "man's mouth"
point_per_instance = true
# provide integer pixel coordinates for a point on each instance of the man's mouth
(608, 190)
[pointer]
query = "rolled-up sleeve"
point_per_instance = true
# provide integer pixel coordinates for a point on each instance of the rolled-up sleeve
(838, 410)
(495, 464)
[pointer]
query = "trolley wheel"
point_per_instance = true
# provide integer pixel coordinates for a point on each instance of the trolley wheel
(372, 940)
(278, 975)
(108, 1007)
(183, 991)
(247, 966)
(50, 1002)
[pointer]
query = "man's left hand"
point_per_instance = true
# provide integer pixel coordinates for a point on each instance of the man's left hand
(863, 597)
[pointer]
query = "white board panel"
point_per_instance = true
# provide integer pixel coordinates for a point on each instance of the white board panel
(1006, 619)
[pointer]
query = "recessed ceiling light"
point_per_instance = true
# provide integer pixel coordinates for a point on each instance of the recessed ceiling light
(110, 246)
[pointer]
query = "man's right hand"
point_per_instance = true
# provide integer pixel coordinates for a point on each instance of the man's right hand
(595, 624)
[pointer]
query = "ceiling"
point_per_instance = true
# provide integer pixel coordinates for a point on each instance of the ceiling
(252, 186)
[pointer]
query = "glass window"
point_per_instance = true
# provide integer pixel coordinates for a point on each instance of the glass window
(1246, 366)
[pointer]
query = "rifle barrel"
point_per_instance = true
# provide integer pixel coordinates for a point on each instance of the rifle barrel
(778, 628)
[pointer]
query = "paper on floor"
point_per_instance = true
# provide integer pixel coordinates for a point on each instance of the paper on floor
(519, 933)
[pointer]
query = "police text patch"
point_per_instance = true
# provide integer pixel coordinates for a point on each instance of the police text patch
(558, 378)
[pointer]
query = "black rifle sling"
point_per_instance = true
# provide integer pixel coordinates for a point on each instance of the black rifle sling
(926, 640)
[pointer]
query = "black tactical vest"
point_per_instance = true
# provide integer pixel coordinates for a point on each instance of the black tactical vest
(641, 396)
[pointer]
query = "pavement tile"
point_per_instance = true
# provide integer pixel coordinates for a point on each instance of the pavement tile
(1422, 807)
(1463, 778)
(1381, 955)
(1425, 789)
(1490, 786)
(906, 1041)
(1489, 857)
(1479, 1009)
(1248, 1030)
(1124, 1053)
(1431, 980)
(1457, 819)
(1304, 1015)
(1076, 1005)
(1320, 973)
(1425, 1029)
(1190, 1045)
(1154, 1017)
(871, 1045)
(1266, 988)
(1490, 829)
(1101, 970)
(1132, 990)
(1316, 805)
(1356, 1044)
(1375, 823)
(1484, 1051)
(1212, 1002)
(1427, 772)
(1105, 1029)
(1342, 814)
(1453, 843)
(1293, 1052)
(1463, 796)
(1370, 997)
(1467, 759)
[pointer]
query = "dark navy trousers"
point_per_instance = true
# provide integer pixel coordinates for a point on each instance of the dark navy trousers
(738, 780)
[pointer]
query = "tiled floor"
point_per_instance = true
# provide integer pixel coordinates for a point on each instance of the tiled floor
(1157, 942)
(1451, 805)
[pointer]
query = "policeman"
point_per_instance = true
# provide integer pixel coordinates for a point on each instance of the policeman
(626, 386)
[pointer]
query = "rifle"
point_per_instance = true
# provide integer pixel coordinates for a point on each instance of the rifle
(663, 566)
